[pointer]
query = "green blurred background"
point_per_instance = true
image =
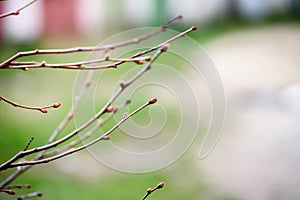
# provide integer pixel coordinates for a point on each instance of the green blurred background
(187, 178)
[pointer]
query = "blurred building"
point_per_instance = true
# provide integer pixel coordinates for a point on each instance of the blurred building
(93, 17)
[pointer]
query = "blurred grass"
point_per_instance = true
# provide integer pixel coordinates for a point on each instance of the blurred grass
(46, 86)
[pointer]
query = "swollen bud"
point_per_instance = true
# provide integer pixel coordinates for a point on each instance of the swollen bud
(139, 62)
(160, 185)
(107, 137)
(165, 47)
(56, 105)
(154, 100)
(149, 190)
(111, 109)
(44, 110)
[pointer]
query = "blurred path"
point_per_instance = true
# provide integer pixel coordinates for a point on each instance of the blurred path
(258, 156)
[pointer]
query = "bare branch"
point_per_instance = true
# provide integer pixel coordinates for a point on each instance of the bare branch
(150, 190)
(41, 109)
(161, 48)
(106, 48)
(17, 12)
(86, 135)
(17, 186)
(79, 65)
(74, 150)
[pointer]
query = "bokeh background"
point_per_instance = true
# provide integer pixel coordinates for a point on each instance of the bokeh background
(255, 46)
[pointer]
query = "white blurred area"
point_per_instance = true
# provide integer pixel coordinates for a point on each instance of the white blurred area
(258, 156)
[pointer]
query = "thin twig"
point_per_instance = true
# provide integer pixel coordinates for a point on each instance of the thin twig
(41, 109)
(106, 48)
(17, 186)
(79, 65)
(74, 150)
(28, 144)
(30, 195)
(150, 190)
(86, 135)
(17, 12)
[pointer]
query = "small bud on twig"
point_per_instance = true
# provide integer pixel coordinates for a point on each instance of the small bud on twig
(100, 122)
(111, 109)
(44, 110)
(56, 105)
(160, 185)
(149, 190)
(122, 84)
(125, 115)
(154, 100)
(165, 47)
(107, 137)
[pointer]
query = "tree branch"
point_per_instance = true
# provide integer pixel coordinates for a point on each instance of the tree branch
(79, 65)
(6, 64)
(41, 109)
(74, 150)
(17, 12)
(161, 48)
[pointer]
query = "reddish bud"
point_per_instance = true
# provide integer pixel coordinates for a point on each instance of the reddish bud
(107, 137)
(125, 115)
(107, 57)
(11, 192)
(160, 185)
(56, 105)
(44, 110)
(154, 100)
(88, 83)
(122, 84)
(111, 109)
(149, 190)
(139, 62)
(100, 122)
(148, 58)
(194, 28)
(165, 47)
(71, 115)
(39, 194)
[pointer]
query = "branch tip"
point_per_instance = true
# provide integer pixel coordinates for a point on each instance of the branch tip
(153, 100)
(160, 185)
(10, 192)
(57, 104)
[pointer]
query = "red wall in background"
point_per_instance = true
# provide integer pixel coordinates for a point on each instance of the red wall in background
(1, 21)
(59, 17)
